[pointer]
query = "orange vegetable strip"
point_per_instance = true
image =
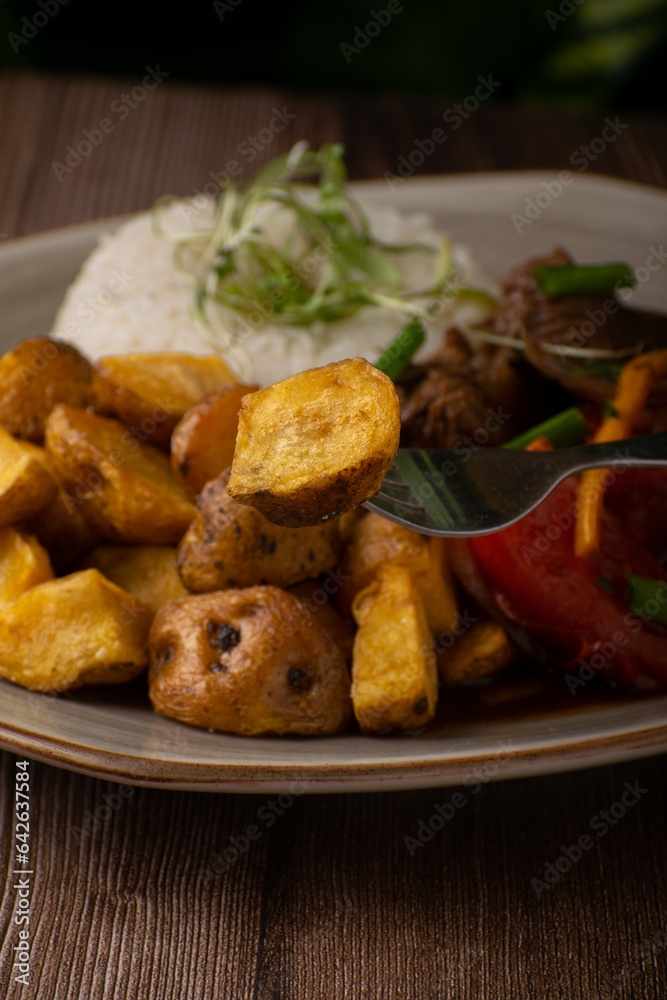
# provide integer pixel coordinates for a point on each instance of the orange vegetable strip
(591, 495)
(634, 386)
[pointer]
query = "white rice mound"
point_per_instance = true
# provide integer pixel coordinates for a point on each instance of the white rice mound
(129, 298)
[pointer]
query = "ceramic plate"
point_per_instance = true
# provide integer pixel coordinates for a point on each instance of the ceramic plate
(113, 733)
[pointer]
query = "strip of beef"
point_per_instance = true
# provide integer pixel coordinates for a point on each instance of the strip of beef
(475, 391)
(444, 402)
(589, 320)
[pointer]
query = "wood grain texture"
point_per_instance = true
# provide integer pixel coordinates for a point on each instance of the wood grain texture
(132, 897)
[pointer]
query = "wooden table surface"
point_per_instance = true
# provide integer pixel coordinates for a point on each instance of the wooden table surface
(329, 902)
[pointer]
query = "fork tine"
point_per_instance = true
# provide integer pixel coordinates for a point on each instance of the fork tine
(399, 503)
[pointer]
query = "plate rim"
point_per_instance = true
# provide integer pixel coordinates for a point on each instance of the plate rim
(642, 739)
(585, 178)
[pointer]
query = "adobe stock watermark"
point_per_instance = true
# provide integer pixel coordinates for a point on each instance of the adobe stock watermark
(120, 108)
(454, 117)
(239, 844)
(600, 825)
(565, 9)
(31, 26)
(131, 440)
(392, 692)
(222, 7)
(641, 955)
(593, 663)
(247, 150)
(581, 159)
(543, 539)
(444, 812)
(364, 34)
(656, 259)
(93, 821)
(90, 307)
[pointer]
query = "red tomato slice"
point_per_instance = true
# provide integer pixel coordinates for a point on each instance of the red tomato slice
(537, 581)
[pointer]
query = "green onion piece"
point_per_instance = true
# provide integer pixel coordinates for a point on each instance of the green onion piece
(566, 428)
(397, 356)
(605, 584)
(648, 598)
(582, 278)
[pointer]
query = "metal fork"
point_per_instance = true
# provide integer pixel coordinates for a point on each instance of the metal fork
(462, 492)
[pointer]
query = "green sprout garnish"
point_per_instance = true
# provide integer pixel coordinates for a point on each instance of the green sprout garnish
(327, 266)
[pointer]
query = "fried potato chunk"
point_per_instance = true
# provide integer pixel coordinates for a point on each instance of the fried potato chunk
(394, 673)
(23, 564)
(147, 571)
(34, 376)
(80, 629)
(480, 652)
(151, 392)
(316, 444)
(229, 545)
(60, 526)
(247, 661)
(25, 483)
(127, 489)
(374, 541)
(316, 595)
(202, 444)
(62, 529)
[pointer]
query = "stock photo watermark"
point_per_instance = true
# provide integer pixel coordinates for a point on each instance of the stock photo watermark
(222, 7)
(240, 843)
(247, 150)
(31, 26)
(131, 440)
(641, 953)
(600, 824)
(120, 108)
(581, 159)
(364, 34)
(444, 812)
(94, 820)
(23, 872)
(565, 10)
(454, 118)
(592, 664)
(562, 522)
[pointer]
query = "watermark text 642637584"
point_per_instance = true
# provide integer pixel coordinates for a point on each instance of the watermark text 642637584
(23, 872)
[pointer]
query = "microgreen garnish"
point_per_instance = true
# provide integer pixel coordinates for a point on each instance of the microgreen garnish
(327, 264)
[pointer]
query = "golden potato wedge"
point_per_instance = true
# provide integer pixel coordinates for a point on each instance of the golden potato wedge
(25, 484)
(147, 571)
(60, 526)
(317, 444)
(23, 563)
(34, 376)
(394, 673)
(316, 595)
(79, 629)
(480, 652)
(126, 489)
(373, 541)
(229, 545)
(151, 392)
(63, 530)
(202, 444)
(247, 661)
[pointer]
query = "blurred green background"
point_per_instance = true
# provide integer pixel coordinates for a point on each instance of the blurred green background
(566, 53)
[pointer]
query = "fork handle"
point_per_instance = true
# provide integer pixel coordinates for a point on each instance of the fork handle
(648, 450)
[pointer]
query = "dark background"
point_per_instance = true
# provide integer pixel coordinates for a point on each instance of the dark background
(575, 55)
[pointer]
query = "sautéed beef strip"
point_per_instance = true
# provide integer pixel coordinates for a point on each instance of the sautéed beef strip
(589, 320)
